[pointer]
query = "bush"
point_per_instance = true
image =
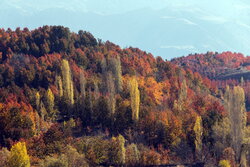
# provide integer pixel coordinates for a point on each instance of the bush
(4, 156)
(224, 163)
(132, 155)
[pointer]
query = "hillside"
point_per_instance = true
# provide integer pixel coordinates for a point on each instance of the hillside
(219, 66)
(68, 94)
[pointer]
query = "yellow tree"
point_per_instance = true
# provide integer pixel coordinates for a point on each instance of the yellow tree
(118, 153)
(38, 98)
(135, 98)
(50, 104)
(19, 156)
(198, 130)
(59, 85)
(67, 82)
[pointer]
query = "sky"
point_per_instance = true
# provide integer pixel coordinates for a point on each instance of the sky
(167, 28)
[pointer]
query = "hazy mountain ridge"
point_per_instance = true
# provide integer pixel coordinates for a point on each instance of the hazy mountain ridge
(168, 32)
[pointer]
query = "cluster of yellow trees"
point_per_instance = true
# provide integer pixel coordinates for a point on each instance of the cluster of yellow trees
(16, 157)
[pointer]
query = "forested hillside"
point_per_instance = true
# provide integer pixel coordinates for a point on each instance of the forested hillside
(223, 69)
(226, 65)
(68, 99)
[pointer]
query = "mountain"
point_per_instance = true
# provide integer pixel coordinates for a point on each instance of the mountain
(168, 30)
(218, 66)
(67, 94)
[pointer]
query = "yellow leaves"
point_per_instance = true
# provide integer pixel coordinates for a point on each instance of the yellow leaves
(67, 82)
(198, 129)
(50, 97)
(50, 103)
(59, 85)
(19, 156)
(38, 98)
(135, 98)
(224, 163)
(154, 89)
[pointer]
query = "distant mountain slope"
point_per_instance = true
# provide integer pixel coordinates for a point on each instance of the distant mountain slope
(226, 65)
(169, 32)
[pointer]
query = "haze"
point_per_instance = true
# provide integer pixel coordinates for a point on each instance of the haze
(167, 28)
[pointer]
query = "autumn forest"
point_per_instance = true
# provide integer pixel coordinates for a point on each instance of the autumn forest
(70, 100)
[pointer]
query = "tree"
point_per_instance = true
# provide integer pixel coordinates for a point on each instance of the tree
(50, 104)
(59, 85)
(118, 150)
(183, 91)
(4, 156)
(132, 155)
(111, 93)
(19, 156)
(198, 130)
(224, 163)
(221, 135)
(235, 104)
(82, 84)
(38, 100)
(134, 98)
(67, 82)
(117, 72)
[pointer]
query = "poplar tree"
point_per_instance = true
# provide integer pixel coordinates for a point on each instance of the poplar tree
(183, 91)
(82, 84)
(67, 83)
(50, 104)
(117, 72)
(235, 104)
(198, 130)
(111, 93)
(59, 85)
(134, 98)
